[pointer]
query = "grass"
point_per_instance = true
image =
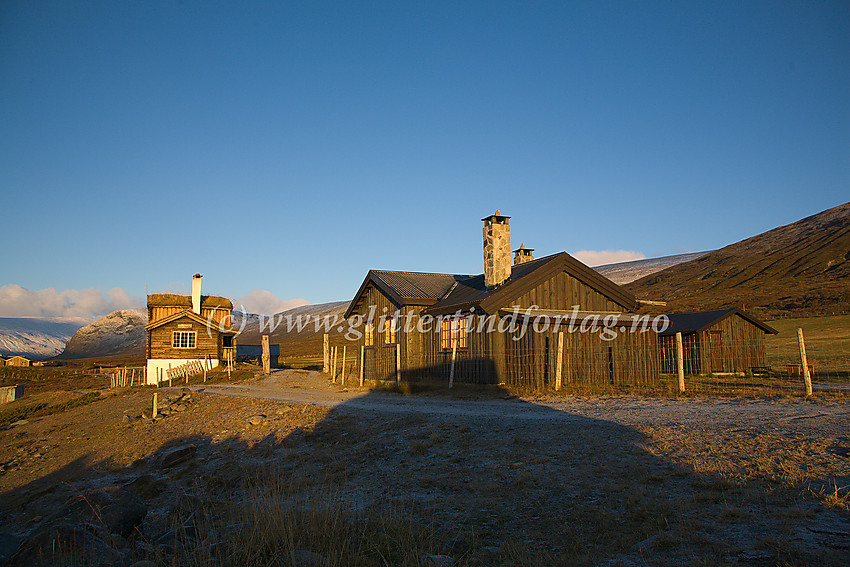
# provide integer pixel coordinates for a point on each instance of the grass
(827, 345)
(42, 409)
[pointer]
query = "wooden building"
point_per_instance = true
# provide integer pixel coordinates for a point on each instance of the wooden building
(2, 361)
(184, 329)
(715, 342)
(414, 323)
(18, 361)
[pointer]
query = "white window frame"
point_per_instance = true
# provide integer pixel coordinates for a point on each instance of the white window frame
(190, 342)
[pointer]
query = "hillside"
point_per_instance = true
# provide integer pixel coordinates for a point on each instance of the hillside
(284, 329)
(119, 333)
(37, 338)
(627, 272)
(800, 269)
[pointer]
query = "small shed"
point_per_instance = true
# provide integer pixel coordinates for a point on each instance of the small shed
(722, 341)
(18, 361)
(254, 353)
(2, 361)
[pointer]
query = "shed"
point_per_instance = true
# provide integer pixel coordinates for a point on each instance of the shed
(254, 353)
(715, 342)
(18, 361)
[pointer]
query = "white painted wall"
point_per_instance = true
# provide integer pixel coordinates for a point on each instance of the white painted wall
(158, 366)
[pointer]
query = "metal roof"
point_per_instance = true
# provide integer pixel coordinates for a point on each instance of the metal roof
(418, 285)
(698, 321)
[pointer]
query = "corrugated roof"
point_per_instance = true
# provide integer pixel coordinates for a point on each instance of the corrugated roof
(418, 285)
(697, 321)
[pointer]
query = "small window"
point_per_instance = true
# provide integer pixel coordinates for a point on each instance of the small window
(389, 331)
(368, 335)
(183, 339)
(226, 341)
(453, 334)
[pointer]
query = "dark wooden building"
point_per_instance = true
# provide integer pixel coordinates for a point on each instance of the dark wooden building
(184, 329)
(501, 325)
(715, 342)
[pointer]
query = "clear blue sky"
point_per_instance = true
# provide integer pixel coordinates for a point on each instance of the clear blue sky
(291, 146)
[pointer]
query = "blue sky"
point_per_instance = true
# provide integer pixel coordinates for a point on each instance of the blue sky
(291, 146)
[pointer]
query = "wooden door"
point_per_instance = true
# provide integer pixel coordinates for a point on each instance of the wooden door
(715, 345)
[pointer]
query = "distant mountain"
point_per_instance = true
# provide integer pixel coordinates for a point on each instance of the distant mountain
(626, 272)
(283, 327)
(37, 338)
(800, 269)
(119, 333)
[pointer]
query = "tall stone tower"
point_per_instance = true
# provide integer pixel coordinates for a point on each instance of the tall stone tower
(497, 249)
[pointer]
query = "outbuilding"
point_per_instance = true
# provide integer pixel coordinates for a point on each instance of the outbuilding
(722, 341)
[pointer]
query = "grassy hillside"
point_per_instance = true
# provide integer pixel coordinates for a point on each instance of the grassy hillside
(801, 269)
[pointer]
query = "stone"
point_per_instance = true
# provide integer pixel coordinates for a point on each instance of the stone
(8, 544)
(113, 509)
(177, 455)
(256, 419)
(305, 558)
(455, 546)
(178, 407)
(437, 560)
(62, 545)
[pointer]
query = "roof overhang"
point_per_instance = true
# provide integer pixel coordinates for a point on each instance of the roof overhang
(188, 313)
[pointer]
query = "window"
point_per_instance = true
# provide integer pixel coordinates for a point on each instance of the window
(368, 336)
(453, 334)
(389, 331)
(183, 339)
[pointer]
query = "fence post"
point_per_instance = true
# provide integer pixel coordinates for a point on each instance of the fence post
(559, 366)
(169, 374)
(153, 415)
(680, 361)
(398, 363)
(266, 356)
(342, 368)
(807, 378)
(325, 355)
(452, 370)
(362, 362)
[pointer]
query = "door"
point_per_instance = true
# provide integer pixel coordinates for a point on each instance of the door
(715, 345)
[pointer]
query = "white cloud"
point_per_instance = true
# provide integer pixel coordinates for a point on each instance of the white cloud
(602, 257)
(265, 302)
(17, 301)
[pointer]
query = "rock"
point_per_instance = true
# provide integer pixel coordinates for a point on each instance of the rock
(305, 558)
(178, 407)
(112, 509)
(256, 419)
(437, 560)
(455, 546)
(63, 545)
(177, 455)
(126, 418)
(8, 544)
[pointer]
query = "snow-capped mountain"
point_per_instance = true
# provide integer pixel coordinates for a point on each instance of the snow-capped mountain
(120, 332)
(37, 338)
(626, 272)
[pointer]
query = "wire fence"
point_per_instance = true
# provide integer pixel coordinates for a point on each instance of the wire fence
(712, 365)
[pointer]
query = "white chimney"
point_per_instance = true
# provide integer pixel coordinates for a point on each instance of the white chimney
(196, 293)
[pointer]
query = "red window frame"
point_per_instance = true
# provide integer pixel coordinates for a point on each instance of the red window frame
(454, 331)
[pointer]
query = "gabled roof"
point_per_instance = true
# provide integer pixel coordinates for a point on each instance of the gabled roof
(191, 315)
(446, 293)
(525, 277)
(698, 321)
(407, 288)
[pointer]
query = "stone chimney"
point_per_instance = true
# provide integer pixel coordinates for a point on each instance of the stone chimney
(523, 255)
(497, 249)
(196, 293)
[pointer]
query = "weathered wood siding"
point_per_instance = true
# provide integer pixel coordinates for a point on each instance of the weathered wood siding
(562, 292)
(155, 313)
(380, 359)
(742, 347)
(159, 341)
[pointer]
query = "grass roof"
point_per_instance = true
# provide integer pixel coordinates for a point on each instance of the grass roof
(175, 300)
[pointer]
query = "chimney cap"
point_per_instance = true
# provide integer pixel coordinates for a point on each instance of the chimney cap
(523, 248)
(498, 217)
(197, 276)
